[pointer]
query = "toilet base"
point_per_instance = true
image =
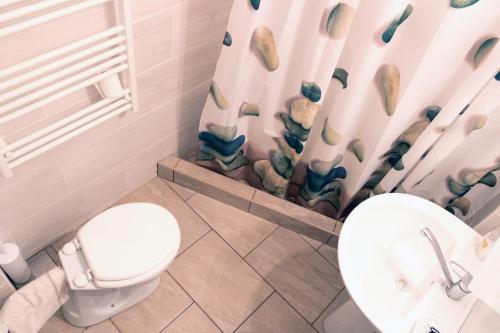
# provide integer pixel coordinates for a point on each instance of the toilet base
(89, 307)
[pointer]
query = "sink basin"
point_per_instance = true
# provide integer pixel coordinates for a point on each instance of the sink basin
(391, 271)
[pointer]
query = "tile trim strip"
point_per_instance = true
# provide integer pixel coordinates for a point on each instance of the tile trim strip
(304, 221)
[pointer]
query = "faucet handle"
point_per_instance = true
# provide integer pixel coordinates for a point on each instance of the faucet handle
(465, 278)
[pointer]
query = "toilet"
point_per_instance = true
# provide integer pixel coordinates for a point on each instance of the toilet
(116, 260)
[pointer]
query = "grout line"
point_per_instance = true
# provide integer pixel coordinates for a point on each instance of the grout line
(164, 10)
(196, 241)
(253, 195)
(185, 200)
(155, 66)
(262, 241)
(269, 283)
(176, 163)
(65, 176)
(317, 250)
(255, 310)
(333, 300)
(212, 229)
(245, 259)
(113, 323)
(180, 314)
(251, 201)
(328, 261)
(262, 277)
(194, 302)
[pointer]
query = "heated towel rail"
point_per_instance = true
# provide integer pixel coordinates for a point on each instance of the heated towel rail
(33, 83)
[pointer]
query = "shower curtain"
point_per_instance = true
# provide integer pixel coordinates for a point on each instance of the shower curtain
(326, 103)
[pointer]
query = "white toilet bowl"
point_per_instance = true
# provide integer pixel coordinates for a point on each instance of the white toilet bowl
(116, 260)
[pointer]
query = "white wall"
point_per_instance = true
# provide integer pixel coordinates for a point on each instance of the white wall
(177, 46)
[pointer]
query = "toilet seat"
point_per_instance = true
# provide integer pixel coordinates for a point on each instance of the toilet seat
(122, 246)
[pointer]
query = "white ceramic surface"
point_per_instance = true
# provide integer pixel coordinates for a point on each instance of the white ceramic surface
(390, 269)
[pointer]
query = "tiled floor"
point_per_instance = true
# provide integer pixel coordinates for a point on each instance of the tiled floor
(235, 273)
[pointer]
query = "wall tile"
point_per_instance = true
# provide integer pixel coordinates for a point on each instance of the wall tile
(198, 21)
(142, 167)
(153, 40)
(129, 140)
(31, 195)
(190, 108)
(142, 8)
(42, 229)
(162, 83)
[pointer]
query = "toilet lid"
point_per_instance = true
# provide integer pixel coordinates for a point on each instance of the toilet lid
(130, 240)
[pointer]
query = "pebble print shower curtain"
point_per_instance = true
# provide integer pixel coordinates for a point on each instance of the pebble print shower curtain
(326, 103)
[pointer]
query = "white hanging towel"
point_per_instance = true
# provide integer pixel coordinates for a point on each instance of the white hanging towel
(29, 308)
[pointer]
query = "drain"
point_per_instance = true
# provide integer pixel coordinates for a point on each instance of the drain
(402, 283)
(428, 325)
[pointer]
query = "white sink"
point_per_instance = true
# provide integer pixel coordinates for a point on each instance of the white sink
(391, 270)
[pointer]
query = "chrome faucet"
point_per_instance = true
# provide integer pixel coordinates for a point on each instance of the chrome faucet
(454, 290)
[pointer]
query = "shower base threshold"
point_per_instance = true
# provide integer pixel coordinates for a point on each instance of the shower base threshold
(251, 200)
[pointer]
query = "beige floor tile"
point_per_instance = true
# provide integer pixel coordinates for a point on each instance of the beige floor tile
(53, 255)
(181, 191)
(213, 185)
(103, 327)
(156, 191)
(243, 231)
(314, 243)
(341, 298)
(300, 274)
(40, 264)
(481, 319)
(220, 282)
(275, 316)
(192, 320)
(330, 254)
(57, 323)
(156, 311)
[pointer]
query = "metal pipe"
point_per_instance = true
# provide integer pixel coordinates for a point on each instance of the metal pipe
(60, 51)
(69, 136)
(23, 11)
(62, 93)
(4, 3)
(58, 124)
(63, 61)
(41, 141)
(61, 73)
(58, 85)
(49, 17)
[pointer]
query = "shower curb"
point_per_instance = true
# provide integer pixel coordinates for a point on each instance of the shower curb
(256, 202)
